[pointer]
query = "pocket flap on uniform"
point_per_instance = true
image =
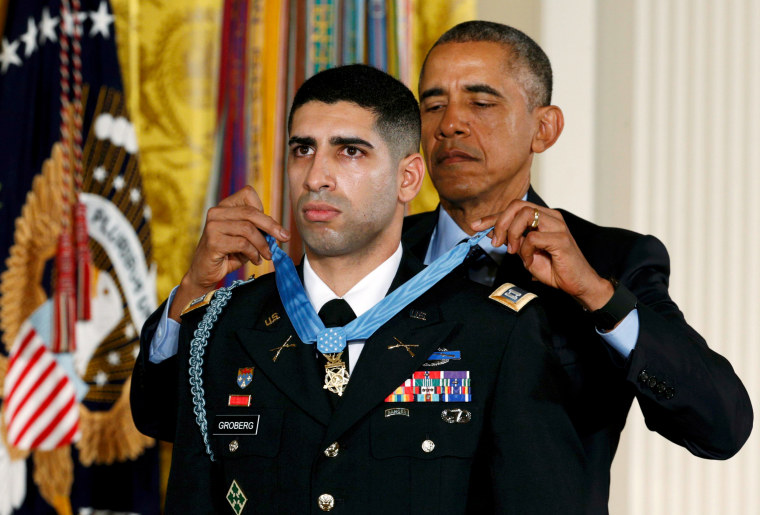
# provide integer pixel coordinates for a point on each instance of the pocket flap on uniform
(253, 433)
(425, 432)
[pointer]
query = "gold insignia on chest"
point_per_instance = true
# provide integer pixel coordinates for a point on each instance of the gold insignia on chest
(274, 317)
(401, 344)
(419, 315)
(283, 346)
(513, 297)
(336, 374)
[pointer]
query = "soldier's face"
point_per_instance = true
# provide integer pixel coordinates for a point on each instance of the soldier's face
(343, 181)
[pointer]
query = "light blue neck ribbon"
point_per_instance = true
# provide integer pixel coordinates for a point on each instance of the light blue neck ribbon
(330, 340)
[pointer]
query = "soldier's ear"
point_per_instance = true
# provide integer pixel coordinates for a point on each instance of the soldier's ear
(551, 121)
(411, 173)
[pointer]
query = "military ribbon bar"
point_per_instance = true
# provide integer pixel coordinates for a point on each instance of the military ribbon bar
(436, 386)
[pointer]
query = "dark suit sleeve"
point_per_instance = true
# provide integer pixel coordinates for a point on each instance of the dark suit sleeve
(152, 394)
(687, 392)
(538, 463)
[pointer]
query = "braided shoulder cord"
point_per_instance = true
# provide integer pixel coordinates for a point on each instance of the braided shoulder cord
(198, 348)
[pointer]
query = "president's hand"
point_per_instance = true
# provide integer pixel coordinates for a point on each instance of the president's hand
(231, 237)
(548, 251)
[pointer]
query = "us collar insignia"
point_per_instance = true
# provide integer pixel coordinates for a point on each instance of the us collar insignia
(441, 357)
(419, 315)
(274, 317)
(244, 377)
(236, 498)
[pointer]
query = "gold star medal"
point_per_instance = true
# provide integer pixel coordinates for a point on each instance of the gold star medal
(336, 374)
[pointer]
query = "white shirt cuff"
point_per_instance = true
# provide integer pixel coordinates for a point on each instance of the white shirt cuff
(165, 339)
(623, 338)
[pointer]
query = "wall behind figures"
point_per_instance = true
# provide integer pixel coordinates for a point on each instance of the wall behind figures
(663, 120)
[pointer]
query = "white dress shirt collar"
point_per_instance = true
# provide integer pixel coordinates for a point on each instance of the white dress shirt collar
(365, 294)
(447, 234)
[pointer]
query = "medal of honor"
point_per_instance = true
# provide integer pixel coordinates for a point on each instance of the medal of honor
(336, 374)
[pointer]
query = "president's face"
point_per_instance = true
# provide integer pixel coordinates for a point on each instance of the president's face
(476, 128)
(343, 181)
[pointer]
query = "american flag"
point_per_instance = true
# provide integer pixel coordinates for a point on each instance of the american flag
(49, 398)
(41, 411)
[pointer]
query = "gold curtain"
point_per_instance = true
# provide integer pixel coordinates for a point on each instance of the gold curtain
(169, 50)
(431, 19)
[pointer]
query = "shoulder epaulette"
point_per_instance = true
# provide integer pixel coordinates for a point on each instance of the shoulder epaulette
(204, 300)
(201, 301)
(513, 297)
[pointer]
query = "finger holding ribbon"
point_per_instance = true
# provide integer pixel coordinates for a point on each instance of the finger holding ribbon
(541, 238)
(231, 237)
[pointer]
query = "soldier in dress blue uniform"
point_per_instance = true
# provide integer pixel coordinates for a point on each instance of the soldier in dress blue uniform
(454, 404)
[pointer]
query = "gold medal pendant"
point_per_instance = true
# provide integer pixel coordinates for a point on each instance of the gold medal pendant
(336, 374)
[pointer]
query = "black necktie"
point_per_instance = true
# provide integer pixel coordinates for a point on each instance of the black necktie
(476, 259)
(336, 313)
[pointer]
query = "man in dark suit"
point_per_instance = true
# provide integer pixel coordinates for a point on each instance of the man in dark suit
(455, 404)
(485, 101)
(485, 94)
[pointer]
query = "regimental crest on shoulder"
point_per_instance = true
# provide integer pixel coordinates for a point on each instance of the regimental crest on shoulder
(513, 297)
(201, 301)
(244, 377)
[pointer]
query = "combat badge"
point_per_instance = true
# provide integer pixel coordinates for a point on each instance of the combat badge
(236, 498)
(244, 377)
(441, 357)
(511, 296)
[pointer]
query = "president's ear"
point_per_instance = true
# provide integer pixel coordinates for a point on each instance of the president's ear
(411, 173)
(551, 121)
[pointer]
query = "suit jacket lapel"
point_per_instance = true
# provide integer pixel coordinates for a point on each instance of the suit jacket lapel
(533, 197)
(296, 370)
(416, 237)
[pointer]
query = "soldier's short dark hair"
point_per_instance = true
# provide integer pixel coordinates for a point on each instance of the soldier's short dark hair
(527, 62)
(396, 109)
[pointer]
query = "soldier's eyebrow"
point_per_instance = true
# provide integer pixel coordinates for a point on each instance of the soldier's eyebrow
(302, 140)
(350, 140)
(482, 88)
